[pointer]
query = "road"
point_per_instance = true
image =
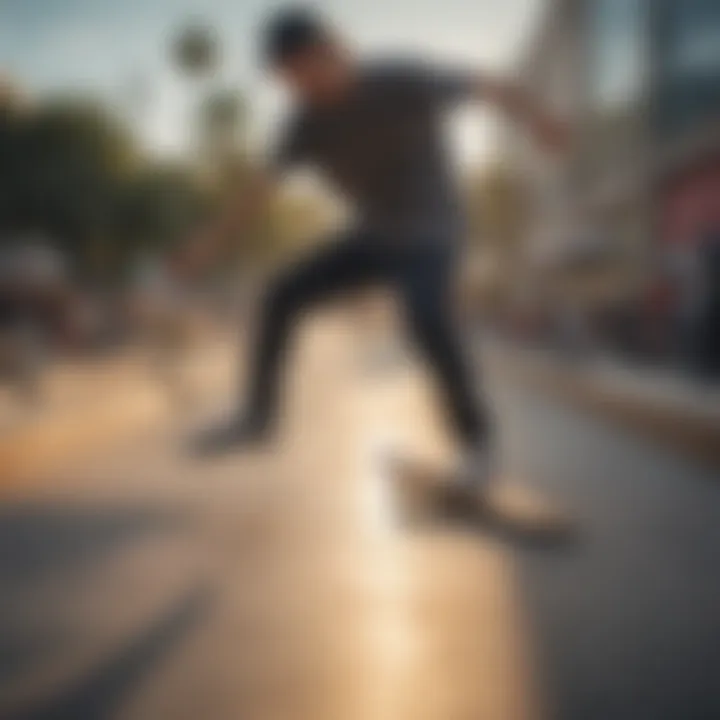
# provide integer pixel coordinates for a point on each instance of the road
(148, 585)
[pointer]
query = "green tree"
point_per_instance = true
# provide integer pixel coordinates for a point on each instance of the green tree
(497, 208)
(156, 210)
(221, 125)
(196, 50)
(66, 162)
(72, 172)
(498, 225)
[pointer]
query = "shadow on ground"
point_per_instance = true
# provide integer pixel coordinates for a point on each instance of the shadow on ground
(45, 551)
(37, 540)
(98, 694)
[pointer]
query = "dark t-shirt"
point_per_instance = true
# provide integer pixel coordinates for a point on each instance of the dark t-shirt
(383, 149)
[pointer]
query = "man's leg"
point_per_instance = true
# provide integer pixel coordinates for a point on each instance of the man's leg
(425, 280)
(332, 269)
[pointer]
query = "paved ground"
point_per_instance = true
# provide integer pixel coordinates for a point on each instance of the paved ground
(276, 585)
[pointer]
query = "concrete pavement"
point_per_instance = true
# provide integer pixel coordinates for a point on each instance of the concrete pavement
(88, 407)
(270, 585)
(281, 585)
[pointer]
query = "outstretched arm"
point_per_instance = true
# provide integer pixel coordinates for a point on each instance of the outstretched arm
(516, 103)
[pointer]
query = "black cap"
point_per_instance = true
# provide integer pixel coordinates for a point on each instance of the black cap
(289, 32)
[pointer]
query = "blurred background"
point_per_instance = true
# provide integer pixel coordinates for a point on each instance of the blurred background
(137, 582)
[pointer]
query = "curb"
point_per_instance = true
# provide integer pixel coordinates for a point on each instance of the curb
(688, 430)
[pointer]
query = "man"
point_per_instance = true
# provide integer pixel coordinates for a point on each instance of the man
(375, 132)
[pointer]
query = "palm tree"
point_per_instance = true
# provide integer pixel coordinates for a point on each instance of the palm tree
(221, 123)
(196, 50)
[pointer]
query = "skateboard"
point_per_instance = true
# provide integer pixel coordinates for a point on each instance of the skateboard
(426, 492)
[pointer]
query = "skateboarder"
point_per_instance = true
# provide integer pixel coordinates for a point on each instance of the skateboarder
(374, 131)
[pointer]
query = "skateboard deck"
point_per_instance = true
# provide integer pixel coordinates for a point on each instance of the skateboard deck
(426, 491)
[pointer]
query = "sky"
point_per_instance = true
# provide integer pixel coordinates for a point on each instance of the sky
(119, 49)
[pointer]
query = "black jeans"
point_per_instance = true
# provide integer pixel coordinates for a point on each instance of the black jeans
(421, 275)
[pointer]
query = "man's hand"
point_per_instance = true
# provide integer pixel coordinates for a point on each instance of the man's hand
(515, 102)
(553, 134)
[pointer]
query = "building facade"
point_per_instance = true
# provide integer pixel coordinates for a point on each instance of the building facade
(640, 81)
(686, 118)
